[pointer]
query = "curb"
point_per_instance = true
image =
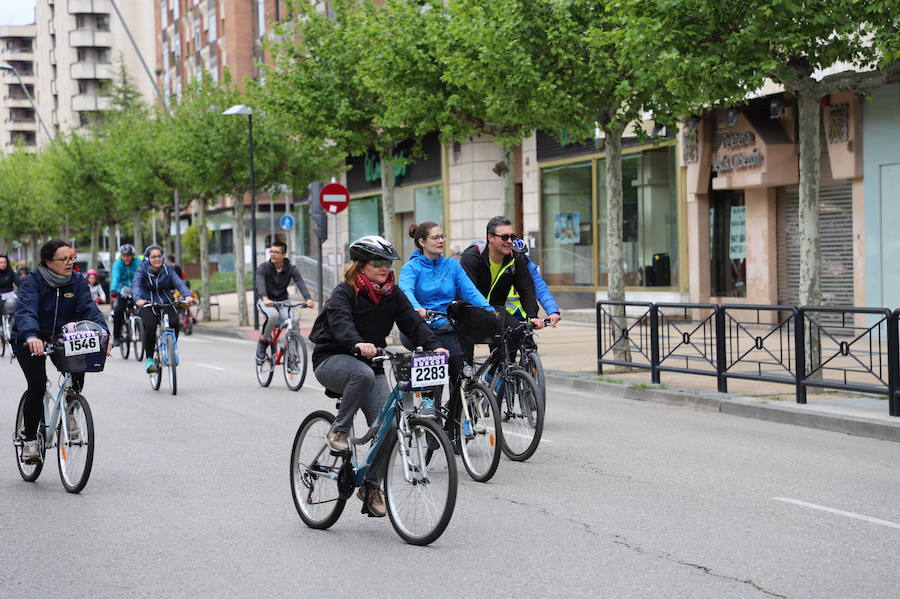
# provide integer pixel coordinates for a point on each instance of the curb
(234, 333)
(744, 407)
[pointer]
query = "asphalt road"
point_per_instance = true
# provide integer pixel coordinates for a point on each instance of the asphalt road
(190, 497)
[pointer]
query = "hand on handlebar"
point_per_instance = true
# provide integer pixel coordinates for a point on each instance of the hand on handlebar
(441, 350)
(140, 303)
(310, 303)
(367, 350)
(423, 313)
(554, 319)
(538, 323)
(35, 346)
(267, 302)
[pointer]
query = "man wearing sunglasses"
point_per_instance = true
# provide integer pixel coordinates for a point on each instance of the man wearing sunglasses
(496, 269)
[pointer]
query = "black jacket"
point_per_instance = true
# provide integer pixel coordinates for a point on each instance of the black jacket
(350, 318)
(274, 285)
(8, 279)
(477, 266)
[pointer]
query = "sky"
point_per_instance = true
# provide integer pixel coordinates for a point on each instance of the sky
(16, 12)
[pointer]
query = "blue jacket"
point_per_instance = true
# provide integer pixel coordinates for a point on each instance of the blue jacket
(42, 310)
(546, 299)
(157, 288)
(432, 283)
(123, 275)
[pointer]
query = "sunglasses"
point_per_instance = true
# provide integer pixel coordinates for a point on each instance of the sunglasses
(380, 263)
(507, 237)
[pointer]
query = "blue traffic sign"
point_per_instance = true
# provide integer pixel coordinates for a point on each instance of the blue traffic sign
(286, 222)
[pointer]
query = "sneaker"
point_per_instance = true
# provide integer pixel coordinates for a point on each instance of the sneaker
(261, 350)
(373, 501)
(30, 453)
(150, 366)
(337, 442)
(72, 427)
(426, 408)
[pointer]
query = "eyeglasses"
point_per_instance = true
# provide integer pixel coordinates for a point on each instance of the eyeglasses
(380, 263)
(156, 256)
(66, 260)
(507, 237)
(275, 252)
(440, 237)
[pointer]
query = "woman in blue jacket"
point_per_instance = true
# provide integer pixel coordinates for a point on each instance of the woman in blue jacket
(49, 298)
(153, 283)
(431, 282)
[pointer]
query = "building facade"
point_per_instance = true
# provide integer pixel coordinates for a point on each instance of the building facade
(18, 122)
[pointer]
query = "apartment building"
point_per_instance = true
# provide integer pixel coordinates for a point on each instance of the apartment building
(18, 123)
(80, 44)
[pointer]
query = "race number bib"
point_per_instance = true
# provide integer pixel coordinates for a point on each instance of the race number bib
(8, 295)
(81, 342)
(429, 370)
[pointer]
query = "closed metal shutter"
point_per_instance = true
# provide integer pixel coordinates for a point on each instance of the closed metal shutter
(836, 231)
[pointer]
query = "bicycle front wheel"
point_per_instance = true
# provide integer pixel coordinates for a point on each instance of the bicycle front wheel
(478, 432)
(187, 322)
(3, 338)
(295, 361)
(533, 366)
(421, 489)
(125, 340)
(156, 377)
(76, 454)
(315, 472)
(139, 341)
(172, 359)
(523, 415)
(28, 472)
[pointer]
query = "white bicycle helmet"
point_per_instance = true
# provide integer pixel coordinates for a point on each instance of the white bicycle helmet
(372, 247)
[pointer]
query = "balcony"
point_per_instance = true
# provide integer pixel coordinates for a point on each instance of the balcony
(17, 54)
(91, 70)
(20, 125)
(90, 6)
(16, 102)
(90, 38)
(89, 102)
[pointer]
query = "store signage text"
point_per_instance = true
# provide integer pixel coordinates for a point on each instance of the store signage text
(739, 160)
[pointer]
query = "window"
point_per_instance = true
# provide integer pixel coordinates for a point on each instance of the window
(649, 219)
(214, 65)
(79, 21)
(103, 22)
(567, 234)
(104, 55)
(261, 17)
(83, 87)
(429, 203)
(163, 13)
(365, 217)
(727, 244)
(175, 9)
(211, 24)
(82, 54)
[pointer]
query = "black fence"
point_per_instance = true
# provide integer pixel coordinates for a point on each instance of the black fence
(840, 348)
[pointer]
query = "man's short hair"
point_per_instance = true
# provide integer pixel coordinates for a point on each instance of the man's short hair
(280, 244)
(497, 221)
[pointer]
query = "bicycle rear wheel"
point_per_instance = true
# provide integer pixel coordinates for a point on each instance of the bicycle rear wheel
(29, 472)
(172, 363)
(76, 457)
(187, 321)
(295, 361)
(531, 362)
(479, 434)
(421, 507)
(125, 340)
(139, 341)
(3, 338)
(523, 415)
(315, 472)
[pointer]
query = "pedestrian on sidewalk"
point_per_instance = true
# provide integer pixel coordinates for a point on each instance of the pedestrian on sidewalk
(272, 280)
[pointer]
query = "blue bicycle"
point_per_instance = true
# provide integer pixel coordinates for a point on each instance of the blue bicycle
(166, 352)
(420, 484)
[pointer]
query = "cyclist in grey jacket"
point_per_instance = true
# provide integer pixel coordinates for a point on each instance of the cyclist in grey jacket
(272, 280)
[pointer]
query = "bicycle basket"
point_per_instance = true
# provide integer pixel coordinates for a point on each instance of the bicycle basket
(402, 367)
(87, 362)
(474, 323)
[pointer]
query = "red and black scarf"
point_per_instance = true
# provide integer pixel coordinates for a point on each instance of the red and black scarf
(374, 290)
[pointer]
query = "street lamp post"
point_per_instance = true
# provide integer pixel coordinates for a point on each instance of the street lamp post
(246, 110)
(8, 67)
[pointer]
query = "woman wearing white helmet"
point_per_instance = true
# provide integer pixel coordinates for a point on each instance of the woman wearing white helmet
(353, 325)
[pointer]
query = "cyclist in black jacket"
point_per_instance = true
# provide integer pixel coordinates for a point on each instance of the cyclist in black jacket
(273, 277)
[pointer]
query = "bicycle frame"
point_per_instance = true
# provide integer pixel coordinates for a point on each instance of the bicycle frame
(283, 329)
(164, 330)
(54, 409)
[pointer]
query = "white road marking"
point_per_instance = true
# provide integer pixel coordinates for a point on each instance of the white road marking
(231, 339)
(543, 439)
(831, 510)
(211, 366)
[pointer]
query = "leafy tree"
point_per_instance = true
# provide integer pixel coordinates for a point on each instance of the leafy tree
(26, 210)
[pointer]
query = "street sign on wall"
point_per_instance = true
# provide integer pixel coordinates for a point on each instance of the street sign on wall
(334, 198)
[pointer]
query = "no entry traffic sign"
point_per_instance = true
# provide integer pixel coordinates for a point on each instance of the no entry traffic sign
(334, 198)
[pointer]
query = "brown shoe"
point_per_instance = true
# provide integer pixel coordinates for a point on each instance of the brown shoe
(373, 499)
(337, 442)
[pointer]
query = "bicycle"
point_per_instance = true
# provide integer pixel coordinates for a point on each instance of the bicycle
(6, 321)
(292, 354)
(518, 397)
(530, 361)
(472, 421)
(165, 354)
(185, 317)
(420, 485)
(132, 331)
(79, 351)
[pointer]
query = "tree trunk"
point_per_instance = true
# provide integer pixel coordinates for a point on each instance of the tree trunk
(237, 236)
(387, 192)
(34, 257)
(505, 169)
(95, 244)
(614, 242)
(810, 247)
(136, 230)
(204, 259)
(111, 242)
(167, 241)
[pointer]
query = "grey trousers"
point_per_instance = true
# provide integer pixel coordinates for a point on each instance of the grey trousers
(274, 317)
(360, 388)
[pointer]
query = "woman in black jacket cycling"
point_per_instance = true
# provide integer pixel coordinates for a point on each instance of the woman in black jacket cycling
(8, 281)
(352, 327)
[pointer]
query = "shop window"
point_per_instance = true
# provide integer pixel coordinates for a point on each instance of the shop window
(727, 244)
(567, 236)
(649, 219)
(429, 204)
(365, 217)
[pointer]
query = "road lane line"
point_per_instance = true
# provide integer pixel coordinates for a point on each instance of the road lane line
(211, 366)
(510, 433)
(831, 510)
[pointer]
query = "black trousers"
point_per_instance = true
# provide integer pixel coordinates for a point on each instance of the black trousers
(35, 369)
(151, 316)
(119, 315)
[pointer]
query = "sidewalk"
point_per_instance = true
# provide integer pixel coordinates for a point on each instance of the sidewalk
(569, 355)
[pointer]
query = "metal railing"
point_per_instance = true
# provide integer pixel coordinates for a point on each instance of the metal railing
(841, 348)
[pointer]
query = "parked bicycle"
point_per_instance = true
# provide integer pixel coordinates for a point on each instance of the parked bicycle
(420, 486)
(291, 353)
(66, 423)
(132, 332)
(165, 352)
(6, 320)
